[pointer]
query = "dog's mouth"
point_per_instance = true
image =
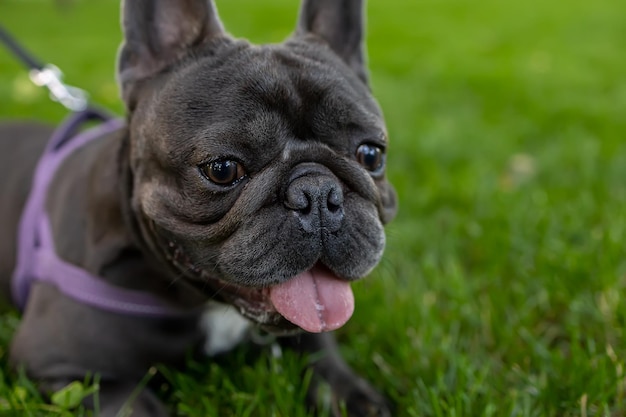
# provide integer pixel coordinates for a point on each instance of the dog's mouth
(315, 300)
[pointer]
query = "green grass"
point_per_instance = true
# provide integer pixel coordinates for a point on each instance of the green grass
(503, 289)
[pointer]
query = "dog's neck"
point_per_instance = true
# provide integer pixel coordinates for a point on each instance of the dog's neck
(112, 245)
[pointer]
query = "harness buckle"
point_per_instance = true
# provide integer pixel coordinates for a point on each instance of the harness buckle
(50, 76)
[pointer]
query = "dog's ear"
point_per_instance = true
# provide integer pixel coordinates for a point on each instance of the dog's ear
(340, 23)
(389, 202)
(159, 32)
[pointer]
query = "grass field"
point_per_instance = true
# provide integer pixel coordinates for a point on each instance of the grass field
(503, 289)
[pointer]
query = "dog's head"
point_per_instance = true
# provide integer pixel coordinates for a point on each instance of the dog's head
(257, 171)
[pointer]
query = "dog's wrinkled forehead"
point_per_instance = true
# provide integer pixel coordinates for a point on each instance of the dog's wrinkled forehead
(261, 96)
(178, 64)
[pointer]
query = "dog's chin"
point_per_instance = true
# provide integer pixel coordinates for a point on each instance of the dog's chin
(253, 303)
(315, 300)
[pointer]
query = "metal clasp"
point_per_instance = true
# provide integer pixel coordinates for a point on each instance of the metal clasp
(51, 77)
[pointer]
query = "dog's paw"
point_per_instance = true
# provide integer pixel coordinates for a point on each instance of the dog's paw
(349, 395)
(363, 400)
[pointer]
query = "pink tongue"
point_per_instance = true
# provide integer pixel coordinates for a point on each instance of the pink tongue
(315, 300)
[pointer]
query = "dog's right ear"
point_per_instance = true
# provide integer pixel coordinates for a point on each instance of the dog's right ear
(159, 32)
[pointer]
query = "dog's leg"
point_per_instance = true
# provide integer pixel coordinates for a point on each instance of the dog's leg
(116, 399)
(346, 387)
(60, 340)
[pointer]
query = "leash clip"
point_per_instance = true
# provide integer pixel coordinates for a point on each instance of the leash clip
(51, 77)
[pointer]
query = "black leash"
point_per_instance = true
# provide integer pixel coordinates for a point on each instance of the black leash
(46, 75)
(22, 54)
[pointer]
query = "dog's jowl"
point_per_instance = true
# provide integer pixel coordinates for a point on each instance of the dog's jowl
(245, 178)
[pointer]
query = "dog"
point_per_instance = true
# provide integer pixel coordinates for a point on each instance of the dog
(246, 187)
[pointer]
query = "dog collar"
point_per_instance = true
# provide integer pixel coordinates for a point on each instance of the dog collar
(36, 256)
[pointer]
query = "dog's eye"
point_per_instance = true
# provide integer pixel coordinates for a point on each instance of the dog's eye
(223, 172)
(372, 157)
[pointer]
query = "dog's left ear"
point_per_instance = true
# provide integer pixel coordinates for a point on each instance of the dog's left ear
(340, 23)
(389, 202)
(159, 32)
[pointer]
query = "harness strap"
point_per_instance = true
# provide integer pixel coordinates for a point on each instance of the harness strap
(36, 257)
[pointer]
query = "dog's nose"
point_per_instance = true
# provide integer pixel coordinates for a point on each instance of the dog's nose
(317, 200)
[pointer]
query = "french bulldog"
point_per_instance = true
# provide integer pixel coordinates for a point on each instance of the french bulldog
(247, 187)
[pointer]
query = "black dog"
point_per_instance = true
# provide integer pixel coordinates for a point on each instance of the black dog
(249, 177)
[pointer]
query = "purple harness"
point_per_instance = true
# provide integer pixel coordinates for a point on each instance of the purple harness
(36, 257)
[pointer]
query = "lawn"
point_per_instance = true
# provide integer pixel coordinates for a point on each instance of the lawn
(503, 288)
